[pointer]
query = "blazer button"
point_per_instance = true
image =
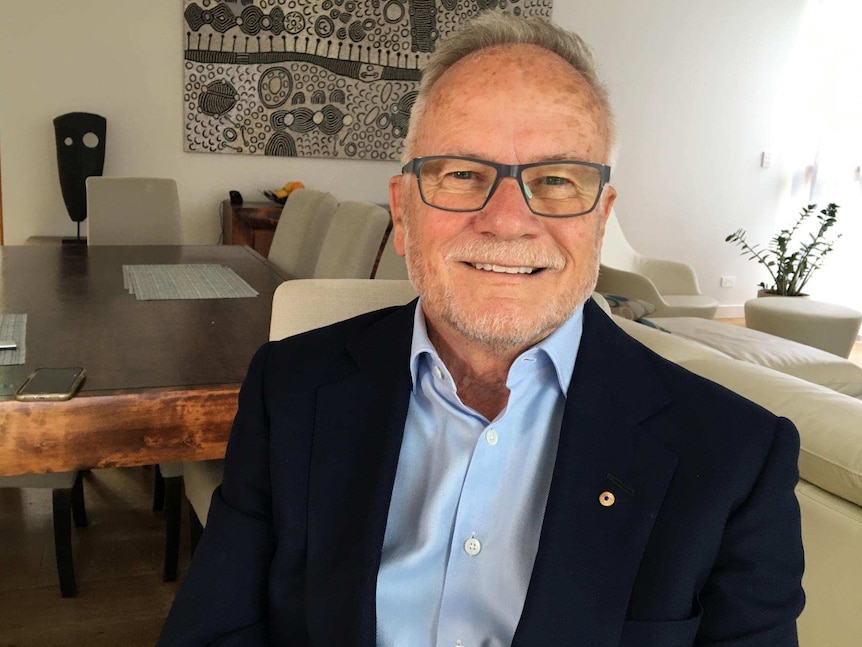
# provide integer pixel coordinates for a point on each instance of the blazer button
(607, 498)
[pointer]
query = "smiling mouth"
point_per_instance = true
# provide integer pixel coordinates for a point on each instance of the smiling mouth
(505, 269)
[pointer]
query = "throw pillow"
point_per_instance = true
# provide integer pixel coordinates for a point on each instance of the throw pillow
(632, 309)
(651, 324)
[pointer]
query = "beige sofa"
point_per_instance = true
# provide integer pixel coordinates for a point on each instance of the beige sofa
(830, 461)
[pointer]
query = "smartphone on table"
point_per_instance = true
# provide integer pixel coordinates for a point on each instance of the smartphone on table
(51, 384)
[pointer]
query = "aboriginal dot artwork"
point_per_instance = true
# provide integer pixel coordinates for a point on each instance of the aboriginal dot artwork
(313, 78)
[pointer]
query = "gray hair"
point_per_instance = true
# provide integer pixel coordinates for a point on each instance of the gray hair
(493, 29)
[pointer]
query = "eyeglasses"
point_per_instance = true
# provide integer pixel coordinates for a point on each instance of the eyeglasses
(559, 189)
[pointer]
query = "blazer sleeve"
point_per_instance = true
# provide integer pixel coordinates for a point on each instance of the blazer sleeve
(754, 594)
(223, 596)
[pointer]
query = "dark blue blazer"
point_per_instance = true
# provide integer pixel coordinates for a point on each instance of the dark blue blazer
(702, 545)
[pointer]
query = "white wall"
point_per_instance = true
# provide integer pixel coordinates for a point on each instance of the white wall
(695, 86)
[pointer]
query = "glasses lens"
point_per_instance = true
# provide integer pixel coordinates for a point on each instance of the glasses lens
(455, 184)
(562, 188)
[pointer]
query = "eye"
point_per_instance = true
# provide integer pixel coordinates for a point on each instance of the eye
(555, 180)
(463, 175)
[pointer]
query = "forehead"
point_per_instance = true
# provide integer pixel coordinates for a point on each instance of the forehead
(513, 101)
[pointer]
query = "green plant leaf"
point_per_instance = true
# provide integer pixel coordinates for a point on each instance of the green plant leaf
(790, 271)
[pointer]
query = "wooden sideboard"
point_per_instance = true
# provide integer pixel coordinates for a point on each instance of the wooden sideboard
(250, 223)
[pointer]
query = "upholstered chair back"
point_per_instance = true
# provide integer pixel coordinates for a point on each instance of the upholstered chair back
(353, 241)
(300, 232)
(133, 211)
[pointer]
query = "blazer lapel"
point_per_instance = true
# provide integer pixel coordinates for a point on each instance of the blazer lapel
(589, 548)
(357, 439)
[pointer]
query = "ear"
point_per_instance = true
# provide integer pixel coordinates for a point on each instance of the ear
(609, 196)
(397, 200)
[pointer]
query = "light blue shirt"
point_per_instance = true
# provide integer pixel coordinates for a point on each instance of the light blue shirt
(469, 499)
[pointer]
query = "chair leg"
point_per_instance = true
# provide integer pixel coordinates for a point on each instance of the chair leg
(173, 505)
(62, 506)
(79, 510)
(196, 528)
(158, 490)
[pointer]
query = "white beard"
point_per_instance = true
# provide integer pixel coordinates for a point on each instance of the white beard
(499, 331)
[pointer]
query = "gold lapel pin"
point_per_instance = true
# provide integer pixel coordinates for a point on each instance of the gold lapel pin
(607, 499)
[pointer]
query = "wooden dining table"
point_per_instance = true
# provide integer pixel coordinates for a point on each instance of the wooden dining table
(162, 376)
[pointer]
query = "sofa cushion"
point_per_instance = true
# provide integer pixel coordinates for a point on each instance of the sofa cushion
(832, 535)
(784, 355)
(829, 423)
(673, 347)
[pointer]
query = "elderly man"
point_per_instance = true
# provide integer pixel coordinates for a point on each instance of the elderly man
(498, 464)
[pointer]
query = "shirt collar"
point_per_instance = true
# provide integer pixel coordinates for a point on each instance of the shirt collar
(561, 346)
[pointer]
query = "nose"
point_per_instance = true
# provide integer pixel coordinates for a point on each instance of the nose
(507, 215)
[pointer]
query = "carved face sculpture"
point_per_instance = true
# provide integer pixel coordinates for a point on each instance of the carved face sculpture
(80, 140)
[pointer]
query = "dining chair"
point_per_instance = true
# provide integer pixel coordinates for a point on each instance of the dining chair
(133, 211)
(391, 265)
(297, 306)
(353, 241)
(670, 286)
(143, 211)
(348, 251)
(301, 231)
(67, 493)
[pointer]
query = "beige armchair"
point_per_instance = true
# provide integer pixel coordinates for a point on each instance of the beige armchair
(668, 285)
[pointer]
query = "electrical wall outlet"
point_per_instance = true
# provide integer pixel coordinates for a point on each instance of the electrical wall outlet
(728, 281)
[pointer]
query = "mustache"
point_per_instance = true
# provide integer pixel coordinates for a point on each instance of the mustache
(509, 252)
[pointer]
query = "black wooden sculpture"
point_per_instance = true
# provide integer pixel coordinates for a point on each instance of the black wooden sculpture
(80, 138)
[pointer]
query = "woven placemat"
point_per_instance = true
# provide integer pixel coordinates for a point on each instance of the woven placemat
(13, 328)
(187, 281)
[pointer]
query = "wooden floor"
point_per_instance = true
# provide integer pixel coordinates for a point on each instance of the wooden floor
(118, 561)
(121, 597)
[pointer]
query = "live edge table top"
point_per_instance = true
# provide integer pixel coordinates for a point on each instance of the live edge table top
(162, 376)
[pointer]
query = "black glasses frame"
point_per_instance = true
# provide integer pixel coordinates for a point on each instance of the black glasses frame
(414, 166)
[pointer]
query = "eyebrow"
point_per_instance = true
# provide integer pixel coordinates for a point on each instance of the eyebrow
(564, 158)
(561, 157)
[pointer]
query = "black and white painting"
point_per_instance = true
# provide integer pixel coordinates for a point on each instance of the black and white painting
(313, 78)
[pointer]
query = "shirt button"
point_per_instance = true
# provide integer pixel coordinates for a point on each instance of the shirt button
(491, 437)
(472, 546)
(438, 373)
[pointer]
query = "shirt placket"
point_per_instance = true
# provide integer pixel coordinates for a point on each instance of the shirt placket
(473, 549)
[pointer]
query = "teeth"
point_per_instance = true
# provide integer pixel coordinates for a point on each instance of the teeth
(503, 269)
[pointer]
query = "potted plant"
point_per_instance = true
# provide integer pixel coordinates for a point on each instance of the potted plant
(791, 270)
